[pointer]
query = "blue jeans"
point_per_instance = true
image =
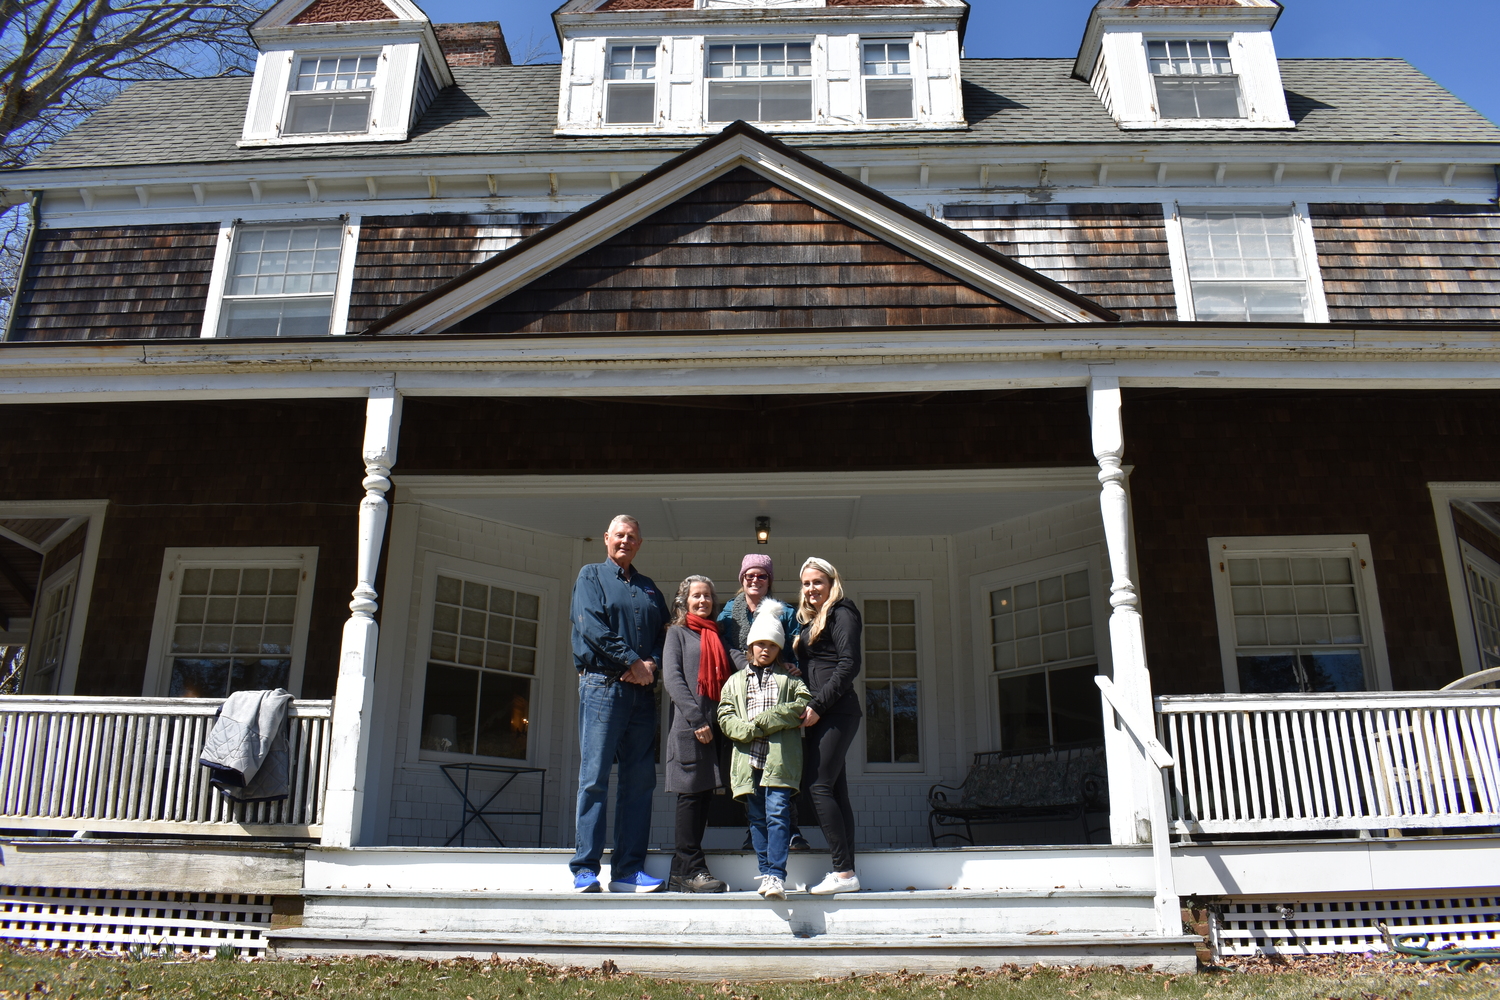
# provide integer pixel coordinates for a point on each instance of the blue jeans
(616, 724)
(770, 812)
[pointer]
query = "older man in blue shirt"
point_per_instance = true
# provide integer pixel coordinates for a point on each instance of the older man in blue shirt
(619, 627)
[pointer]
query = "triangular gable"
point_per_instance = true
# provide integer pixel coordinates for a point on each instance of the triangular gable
(309, 12)
(336, 11)
(958, 264)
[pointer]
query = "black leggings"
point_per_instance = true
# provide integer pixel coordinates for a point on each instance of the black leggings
(824, 754)
(692, 821)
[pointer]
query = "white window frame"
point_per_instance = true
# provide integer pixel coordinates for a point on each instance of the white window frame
(538, 734)
(919, 591)
(662, 55)
(981, 585)
(229, 232)
(1357, 547)
(1239, 91)
(812, 79)
(76, 514)
(1475, 559)
(1302, 231)
(158, 679)
(65, 576)
(373, 91)
(865, 79)
(1444, 497)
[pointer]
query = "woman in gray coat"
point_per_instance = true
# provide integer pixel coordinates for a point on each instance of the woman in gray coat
(695, 665)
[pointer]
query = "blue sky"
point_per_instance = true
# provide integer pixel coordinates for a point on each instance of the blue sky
(1450, 40)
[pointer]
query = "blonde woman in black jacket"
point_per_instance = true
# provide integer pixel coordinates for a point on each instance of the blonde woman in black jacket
(829, 651)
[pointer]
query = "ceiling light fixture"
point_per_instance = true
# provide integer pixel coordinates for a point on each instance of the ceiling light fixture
(762, 530)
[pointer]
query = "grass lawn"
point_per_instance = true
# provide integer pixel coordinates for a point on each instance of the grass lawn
(35, 975)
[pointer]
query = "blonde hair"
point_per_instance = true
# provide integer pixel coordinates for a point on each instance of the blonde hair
(679, 603)
(818, 621)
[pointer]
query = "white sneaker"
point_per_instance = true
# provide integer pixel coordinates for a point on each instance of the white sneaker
(834, 882)
(772, 887)
(760, 890)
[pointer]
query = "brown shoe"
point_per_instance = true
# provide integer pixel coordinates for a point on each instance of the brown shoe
(700, 882)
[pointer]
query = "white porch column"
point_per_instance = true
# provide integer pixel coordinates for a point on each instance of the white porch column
(350, 738)
(1129, 798)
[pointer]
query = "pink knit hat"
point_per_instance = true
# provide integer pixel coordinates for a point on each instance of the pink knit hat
(756, 560)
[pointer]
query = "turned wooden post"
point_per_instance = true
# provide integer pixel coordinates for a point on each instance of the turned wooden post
(356, 683)
(1129, 795)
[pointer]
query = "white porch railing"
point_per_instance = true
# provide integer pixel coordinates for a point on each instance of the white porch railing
(130, 765)
(1371, 761)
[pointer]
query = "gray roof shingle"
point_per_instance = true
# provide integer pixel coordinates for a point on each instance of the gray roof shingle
(512, 109)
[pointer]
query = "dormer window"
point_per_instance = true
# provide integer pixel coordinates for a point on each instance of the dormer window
(331, 94)
(1194, 79)
(887, 68)
(760, 82)
(631, 84)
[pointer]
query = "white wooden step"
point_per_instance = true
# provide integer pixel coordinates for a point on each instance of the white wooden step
(547, 915)
(756, 958)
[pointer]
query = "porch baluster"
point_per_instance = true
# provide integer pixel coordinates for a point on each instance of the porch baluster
(350, 738)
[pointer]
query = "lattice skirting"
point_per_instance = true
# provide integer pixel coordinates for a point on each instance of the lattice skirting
(196, 923)
(1346, 923)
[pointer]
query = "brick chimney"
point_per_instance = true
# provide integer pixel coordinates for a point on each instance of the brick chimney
(476, 43)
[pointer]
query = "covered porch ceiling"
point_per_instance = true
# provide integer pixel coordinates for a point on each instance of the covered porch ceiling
(800, 505)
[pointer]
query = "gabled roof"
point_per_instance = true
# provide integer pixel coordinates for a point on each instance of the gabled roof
(1017, 102)
(743, 147)
(300, 12)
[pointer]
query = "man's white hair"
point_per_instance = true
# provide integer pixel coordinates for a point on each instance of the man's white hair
(623, 519)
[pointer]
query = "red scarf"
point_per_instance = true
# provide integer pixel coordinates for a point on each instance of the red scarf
(713, 661)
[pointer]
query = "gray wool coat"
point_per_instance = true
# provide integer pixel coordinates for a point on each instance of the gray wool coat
(691, 766)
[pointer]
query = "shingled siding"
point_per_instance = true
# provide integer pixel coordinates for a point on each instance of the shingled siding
(1114, 254)
(194, 474)
(136, 283)
(1409, 262)
(1300, 463)
(403, 256)
(740, 254)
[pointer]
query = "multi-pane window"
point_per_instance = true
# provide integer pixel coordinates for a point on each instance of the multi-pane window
(1245, 266)
(233, 628)
(888, 92)
(892, 725)
(631, 82)
(1042, 649)
(480, 664)
(331, 94)
(760, 82)
(1194, 79)
(1482, 575)
(48, 649)
(281, 282)
(1298, 624)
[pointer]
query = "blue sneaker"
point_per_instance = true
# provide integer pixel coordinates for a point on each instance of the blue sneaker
(639, 882)
(587, 881)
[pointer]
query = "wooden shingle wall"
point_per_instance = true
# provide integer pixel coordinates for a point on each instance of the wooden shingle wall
(403, 256)
(136, 283)
(740, 253)
(1114, 254)
(1409, 263)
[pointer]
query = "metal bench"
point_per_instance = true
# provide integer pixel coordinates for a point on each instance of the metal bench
(1064, 782)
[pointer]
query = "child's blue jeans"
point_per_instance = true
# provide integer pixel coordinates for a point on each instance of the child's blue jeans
(770, 812)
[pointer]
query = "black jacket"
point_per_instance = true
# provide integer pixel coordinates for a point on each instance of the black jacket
(831, 663)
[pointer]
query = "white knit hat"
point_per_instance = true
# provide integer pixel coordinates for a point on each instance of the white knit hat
(767, 625)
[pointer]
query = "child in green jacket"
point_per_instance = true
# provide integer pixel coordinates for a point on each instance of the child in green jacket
(760, 710)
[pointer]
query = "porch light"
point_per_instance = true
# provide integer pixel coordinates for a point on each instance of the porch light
(762, 530)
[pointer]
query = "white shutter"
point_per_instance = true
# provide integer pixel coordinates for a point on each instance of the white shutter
(684, 64)
(843, 78)
(267, 95)
(395, 85)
